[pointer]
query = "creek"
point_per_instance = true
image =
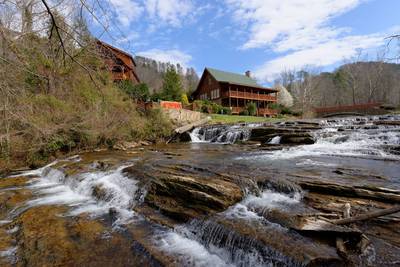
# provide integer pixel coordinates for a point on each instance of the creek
(237, 195)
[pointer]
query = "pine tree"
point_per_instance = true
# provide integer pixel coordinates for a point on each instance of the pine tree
(172, 85)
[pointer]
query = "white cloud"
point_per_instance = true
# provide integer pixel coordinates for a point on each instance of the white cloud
(324, 54)
(131, 36)
(173, 56)
(273, 22)
(127, 11)
(171, 12)
(300, 30)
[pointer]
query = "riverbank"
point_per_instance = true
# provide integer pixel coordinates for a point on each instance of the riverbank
(125, 128)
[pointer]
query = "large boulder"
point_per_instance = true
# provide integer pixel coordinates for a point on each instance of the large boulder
(290, 136)
(297, 139)
(184, 197)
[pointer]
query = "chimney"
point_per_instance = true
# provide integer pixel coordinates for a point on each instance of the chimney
(248, 74)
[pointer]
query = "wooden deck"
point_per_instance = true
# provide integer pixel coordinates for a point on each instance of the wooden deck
(250, 96)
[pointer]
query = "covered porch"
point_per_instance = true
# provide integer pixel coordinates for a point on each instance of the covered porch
(236, 97)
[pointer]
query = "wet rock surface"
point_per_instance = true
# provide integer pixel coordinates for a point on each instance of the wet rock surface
(271, 199)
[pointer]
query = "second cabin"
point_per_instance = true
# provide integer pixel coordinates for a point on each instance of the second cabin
(119, 63)
(235, 91)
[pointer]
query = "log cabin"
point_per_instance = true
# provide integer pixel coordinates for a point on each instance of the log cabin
(120, 63)
(235, 91)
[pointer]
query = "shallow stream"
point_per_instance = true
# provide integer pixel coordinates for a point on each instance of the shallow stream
(89, 210)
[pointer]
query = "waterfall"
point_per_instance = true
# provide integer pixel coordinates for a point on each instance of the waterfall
(275, 141)
(96, 192)
(209, 243)
(220, 134)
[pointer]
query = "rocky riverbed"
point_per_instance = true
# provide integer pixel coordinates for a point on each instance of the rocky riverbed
(228, 195)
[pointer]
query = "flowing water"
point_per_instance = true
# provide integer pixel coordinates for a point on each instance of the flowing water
(222, 134)
(95, 189)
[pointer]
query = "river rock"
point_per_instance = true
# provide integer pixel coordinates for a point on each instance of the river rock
(260, 134)
(183, 138)
(124, 145)
(293, 135)
(388, 123)
(185, 197)
(47, 239)
(298, 139)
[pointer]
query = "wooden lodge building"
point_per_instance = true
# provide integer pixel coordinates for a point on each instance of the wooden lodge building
(120, 63)
(235, 91)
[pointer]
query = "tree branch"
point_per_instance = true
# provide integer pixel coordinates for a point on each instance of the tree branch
(57, 28)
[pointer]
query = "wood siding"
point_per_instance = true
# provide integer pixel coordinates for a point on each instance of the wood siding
(206, 85)
(235, 96)
(119, 63)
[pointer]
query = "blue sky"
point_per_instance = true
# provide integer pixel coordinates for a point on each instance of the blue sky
(264, 36)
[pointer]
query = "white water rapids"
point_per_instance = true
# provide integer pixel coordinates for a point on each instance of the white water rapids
(222, 135)
(97, 192)
(366, 141)
(207, 243)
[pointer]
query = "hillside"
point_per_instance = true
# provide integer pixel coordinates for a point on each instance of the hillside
(53, 104)
(151, 72)
(354, 83)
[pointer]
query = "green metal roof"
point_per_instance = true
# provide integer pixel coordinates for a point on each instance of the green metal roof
(234, 78)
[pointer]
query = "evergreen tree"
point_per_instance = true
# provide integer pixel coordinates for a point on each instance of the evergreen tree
(137, 92)
(172, 85)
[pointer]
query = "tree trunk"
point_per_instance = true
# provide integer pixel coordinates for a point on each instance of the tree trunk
(368, 216)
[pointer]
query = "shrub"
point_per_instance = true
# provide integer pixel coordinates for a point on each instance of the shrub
(251, 108)
(157, 126)
(138, 91)
(286, 110)
(274, 106)
(244, 113)
(204, 109)
(184, 99)
(216, 109)
(226, 111)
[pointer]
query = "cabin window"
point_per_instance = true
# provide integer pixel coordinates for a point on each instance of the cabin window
(119, 61)
(215, 94)
(203, 96)
(116, 69)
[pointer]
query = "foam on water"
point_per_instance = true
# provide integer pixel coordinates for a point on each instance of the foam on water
(268, 199)
(331, 142)
(210, 244)
(188, 252)
(241, 211)
(221, 134)
(207, 243)
(4, 222)
(94, 192)
(310, 162)
(9, 254)
(196, 137)
(275, 141)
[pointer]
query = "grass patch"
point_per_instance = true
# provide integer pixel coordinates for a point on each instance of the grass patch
(231, 119)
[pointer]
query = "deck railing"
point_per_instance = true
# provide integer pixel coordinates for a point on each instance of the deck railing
(249, 95)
